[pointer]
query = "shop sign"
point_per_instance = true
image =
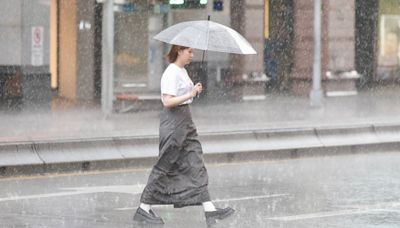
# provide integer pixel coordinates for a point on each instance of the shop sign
(37, 46)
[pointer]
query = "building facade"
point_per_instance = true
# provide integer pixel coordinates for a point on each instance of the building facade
(59, 49)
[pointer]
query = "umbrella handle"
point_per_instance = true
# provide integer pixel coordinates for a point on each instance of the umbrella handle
(202, 59)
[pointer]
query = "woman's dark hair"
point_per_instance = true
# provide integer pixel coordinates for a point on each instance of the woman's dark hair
(173, 53)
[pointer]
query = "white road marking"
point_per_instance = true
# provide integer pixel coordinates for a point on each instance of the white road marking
(331, 214)
(250, 198)
(16, 198)
(128, 189)
(377, 205)
(217, 200)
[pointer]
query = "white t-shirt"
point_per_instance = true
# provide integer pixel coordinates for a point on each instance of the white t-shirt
(175, 81)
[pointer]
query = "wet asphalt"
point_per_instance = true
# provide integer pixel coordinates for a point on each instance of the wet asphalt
(359, 190)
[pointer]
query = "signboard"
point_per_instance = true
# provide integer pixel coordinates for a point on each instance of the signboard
(37, 46)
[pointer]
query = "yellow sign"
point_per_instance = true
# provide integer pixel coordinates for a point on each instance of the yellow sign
(266, 19)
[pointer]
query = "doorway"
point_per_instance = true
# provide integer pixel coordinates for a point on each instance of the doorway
(278, 58)
(367, 12)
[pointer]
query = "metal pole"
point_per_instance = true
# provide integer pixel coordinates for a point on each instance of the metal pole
(204, 51)
(316, 92)
(107, 75)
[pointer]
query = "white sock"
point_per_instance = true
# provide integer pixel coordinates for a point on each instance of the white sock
(209, 206)
(145, 207)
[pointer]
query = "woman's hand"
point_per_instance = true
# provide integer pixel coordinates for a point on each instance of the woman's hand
(197, 89)
(170, 101)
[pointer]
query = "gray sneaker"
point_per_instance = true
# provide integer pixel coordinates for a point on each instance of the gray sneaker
(143, 216)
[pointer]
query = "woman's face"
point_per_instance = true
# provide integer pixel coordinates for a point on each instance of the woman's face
(186, 55)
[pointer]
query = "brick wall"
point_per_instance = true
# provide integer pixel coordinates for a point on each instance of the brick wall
(254, 33)
(247, 18)
(341, 35)
(338, 40)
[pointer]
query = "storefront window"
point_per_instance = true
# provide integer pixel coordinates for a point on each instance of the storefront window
(131, 46)
(389, 41)
(139, 59)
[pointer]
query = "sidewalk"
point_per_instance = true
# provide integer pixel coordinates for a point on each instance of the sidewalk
(278, 113)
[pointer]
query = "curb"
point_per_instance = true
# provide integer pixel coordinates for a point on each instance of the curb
(120, 152)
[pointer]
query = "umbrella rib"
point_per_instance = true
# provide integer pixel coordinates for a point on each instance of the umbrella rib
(245, 48)
(230, 49)
(196, 42)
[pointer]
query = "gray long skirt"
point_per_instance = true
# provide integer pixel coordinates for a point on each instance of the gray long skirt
(179, 176)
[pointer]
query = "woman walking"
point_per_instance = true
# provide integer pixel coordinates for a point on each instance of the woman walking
(179, 176)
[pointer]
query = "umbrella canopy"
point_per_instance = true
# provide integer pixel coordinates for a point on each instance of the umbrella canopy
(206, 35)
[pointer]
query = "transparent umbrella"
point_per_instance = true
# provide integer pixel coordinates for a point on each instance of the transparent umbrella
(206, 35)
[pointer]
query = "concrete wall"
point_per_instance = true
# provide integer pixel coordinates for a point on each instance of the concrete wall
(17, 20)
(10, 32)
(17, 17)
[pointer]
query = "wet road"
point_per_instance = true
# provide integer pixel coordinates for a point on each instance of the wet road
(342, 191)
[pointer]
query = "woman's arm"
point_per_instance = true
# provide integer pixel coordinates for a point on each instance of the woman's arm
(170, 101)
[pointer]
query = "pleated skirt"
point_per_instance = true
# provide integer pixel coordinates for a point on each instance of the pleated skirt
(179, 177)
